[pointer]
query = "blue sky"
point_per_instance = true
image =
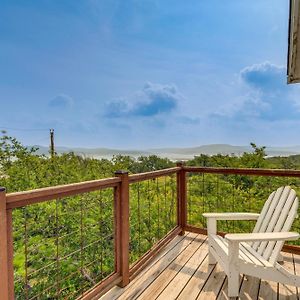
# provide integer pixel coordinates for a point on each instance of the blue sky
(147, 74)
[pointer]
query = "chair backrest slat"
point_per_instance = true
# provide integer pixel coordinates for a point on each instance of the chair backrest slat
(263, 213)
(262, 216)
(277, 215)
(277, 246)
(281, 210)
(264, 220)
(281, 222)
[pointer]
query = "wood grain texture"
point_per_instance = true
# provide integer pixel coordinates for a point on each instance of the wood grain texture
(116, 291)
(170, 272)
(268, 290)
(123, 251)
(159, 268)
(20, 199)
(10, 254)
(4, 286)
(245, 171)
(168, 279)
(182, 277)
(213, 285)
(296, 262)
(147, 257)
(154, 174)
(196, 282)
(249, 288)
(287, 291)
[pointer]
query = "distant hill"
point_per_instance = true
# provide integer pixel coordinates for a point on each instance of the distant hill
(92, 152)
(205, 149)
(172, 153)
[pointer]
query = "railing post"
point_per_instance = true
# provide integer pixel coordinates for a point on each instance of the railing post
(10, 254)
(4, 270)
(181, 198)
(122, 227)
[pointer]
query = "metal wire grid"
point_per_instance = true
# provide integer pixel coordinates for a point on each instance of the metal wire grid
(231, 193)
(153, 211)
(63, 247)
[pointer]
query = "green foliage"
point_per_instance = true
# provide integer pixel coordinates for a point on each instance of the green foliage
(290, 162)
(11, 149)
(256, 159)
(151, 163)
(67, 245)
(64, 247)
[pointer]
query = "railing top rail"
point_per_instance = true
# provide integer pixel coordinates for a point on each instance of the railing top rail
(154, 174)
(245, 171)
(20, 199)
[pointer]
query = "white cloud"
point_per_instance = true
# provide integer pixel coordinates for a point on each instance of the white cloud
(61, 101)
(151, 100)
(262, 93)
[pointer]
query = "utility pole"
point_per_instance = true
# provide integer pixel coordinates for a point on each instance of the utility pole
(52, 142)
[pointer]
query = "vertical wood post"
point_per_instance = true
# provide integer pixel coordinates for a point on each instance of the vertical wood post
(233, 270)
(10, 254)
(181, 198)
(211, 229)
(122, 227)
(117, 228)
(4, 285)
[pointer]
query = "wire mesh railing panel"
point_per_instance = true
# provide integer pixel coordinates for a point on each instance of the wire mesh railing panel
(63, 247)
(232, 193)
(153, 213)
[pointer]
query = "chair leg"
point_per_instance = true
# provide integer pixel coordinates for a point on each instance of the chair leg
(233, 268)
(211, 229)
(211, 258)
(233, 283)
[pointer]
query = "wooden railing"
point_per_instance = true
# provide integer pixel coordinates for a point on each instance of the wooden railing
(123, 189)
(261, 182)
(9, 202)
(122, 272)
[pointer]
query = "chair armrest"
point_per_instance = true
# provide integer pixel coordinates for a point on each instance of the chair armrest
(262, 236)
(231, 216)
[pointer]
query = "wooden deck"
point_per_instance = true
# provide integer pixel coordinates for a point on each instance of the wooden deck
(181, 271)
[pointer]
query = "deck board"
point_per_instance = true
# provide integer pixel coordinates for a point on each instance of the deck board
(150, 273)
(181, 271)
(287, 291)
(296, 261)
(249, 288)
(213, 285)
(154, 290)
(182, 277)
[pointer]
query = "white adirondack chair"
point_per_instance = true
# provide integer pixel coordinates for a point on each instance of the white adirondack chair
(256, 254)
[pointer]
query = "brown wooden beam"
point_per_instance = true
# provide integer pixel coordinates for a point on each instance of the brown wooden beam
(21, 199)
(154, 174)
(291, 249)
(101, 288)
(244, 171)
(4, 285)
(123, 227)
(181, 197)
(10, 254)
(117, 229)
